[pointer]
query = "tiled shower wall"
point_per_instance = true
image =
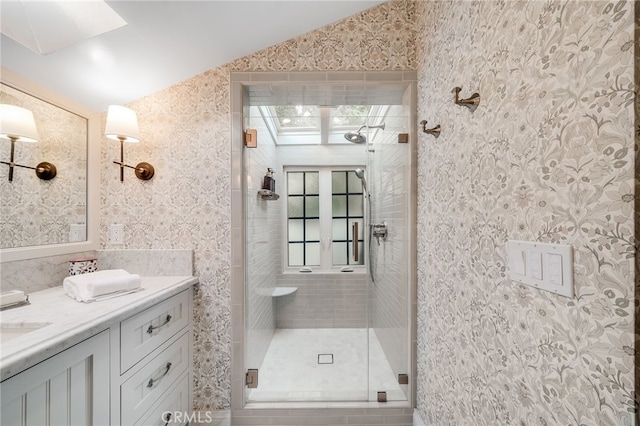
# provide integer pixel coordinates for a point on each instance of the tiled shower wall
(339, 300)
(263, 248)
(322, 300)
(390, 179)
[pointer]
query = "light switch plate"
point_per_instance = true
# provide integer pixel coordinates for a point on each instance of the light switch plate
(544, 266)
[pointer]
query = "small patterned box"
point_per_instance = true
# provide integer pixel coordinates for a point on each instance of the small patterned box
(83, 266)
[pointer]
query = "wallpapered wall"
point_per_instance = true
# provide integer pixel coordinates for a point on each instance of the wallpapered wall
(548, 156)
(185, 133)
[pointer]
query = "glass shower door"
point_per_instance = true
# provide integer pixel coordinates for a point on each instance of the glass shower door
(305, 332)
(389, 175)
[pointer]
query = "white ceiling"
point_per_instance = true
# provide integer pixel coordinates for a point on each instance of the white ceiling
(166, 42)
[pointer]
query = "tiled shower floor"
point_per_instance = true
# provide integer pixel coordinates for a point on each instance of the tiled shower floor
(290, 370)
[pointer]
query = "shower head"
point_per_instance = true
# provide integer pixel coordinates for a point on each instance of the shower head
(355, 137)
(358, 137)
(360, 174)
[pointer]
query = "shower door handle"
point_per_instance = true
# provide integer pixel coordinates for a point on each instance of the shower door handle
(354, 237)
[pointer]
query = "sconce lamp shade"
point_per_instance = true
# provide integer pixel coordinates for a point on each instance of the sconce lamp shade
(17, 123)
(122, 124)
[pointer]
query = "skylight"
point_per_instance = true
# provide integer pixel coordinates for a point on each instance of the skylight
(47, 26)
(313, 124)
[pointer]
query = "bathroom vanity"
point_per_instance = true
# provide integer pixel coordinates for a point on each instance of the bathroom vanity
(121, 361)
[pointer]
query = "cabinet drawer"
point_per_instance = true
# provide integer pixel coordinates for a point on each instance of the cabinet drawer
(173, 409)
(148, 385)
(142, 333)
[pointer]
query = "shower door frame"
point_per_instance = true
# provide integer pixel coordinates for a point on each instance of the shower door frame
(239, 117)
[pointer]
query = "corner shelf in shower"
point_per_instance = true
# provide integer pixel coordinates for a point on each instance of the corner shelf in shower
(283, 291)
(276, 291)
(265, 194)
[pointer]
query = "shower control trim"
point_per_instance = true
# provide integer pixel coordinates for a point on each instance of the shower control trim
(379, 230)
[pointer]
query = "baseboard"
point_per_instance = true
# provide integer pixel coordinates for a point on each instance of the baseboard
(210, 418)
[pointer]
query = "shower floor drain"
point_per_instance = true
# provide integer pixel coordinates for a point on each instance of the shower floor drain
(325, 358)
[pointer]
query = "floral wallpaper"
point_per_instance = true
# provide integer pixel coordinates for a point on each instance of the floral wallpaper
(185, 133)
(547, 156)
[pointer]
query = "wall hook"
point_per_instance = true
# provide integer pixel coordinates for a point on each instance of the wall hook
(471, 102)
(434, 131)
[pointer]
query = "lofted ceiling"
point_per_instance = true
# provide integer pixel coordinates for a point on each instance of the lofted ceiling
(165, 42)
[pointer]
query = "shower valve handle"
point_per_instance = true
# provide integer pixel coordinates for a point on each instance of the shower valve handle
(379, 230)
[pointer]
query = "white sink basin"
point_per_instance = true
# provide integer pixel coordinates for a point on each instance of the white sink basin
(12, 330)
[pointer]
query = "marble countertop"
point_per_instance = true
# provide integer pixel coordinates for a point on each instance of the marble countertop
(72, 321)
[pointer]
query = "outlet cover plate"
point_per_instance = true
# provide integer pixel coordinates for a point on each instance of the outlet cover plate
(116, 234)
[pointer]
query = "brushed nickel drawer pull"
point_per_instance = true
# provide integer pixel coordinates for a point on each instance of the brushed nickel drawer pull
(152, 381)
(151, 328)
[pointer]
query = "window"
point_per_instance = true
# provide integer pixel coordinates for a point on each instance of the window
(322, 207)
(313, 124)
(303, 211)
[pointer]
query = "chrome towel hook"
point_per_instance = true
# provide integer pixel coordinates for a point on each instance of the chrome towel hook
(435, 131)
(471, 102)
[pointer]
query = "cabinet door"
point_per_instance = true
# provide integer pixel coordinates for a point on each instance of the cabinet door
(70, 388)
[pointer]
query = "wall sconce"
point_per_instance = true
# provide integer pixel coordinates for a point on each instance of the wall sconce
(122, 125)
(17, 124)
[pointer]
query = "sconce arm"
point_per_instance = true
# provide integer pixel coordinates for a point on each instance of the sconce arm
(44, 170)
(143, 171)
(17, 165)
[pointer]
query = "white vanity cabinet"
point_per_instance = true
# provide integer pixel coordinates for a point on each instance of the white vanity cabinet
(133, 366)
(70, 388)
(153, 363)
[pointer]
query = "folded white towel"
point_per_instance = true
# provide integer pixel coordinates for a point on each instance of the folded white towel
(89, 287)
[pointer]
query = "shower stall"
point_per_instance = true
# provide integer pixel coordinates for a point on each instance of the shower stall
(329, 219)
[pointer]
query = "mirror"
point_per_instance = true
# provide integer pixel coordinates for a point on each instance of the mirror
(48, 217)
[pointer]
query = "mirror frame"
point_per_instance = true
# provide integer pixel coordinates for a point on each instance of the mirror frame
(93, 173)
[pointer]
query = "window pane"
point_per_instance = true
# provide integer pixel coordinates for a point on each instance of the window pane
(312, 206)
(350, 115)
(355, 205)
(312, 230)
(339, 205)
(339, 253)
(294, 182)
(339, 229)
(338, 182)
(298, 116)
(355, 184)
(295, 230)
(295, 207)
(296, 255)
(311, 182)
(312, 253)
